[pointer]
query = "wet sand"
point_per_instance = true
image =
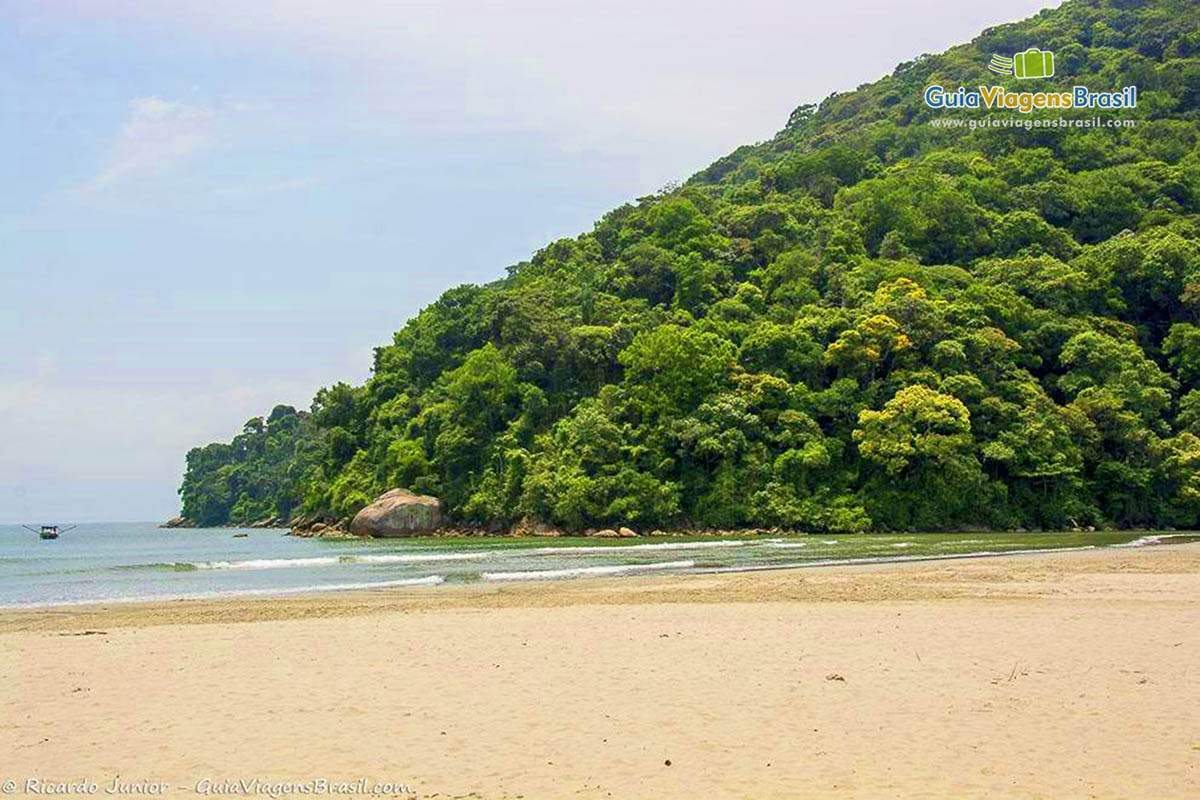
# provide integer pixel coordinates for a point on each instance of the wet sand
(1061, 675)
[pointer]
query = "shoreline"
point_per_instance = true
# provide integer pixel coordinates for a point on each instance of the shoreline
(236, 595)
(253, 604)
(1065, 675)
(139, 565)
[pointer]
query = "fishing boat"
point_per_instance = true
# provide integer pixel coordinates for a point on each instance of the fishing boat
(48, 531)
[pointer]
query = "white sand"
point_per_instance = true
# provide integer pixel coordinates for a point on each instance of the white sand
(1072, 675)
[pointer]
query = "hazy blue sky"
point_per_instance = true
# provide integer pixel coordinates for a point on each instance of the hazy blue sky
(211, 206)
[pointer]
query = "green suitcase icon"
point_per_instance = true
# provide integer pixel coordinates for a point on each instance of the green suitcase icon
(1034, 63)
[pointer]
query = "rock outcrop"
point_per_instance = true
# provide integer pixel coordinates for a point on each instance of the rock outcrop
(398, 512)
(320, 530)
(318, 526)
(532, 527)
(177, 522)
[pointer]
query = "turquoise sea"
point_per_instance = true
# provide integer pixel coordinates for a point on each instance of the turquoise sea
(138, 561)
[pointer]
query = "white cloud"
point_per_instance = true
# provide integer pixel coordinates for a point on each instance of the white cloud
(158, 134)
(670, 82)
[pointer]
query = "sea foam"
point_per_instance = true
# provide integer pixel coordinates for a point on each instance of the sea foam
(845, 562)
(267, 563)
(577, 572)
(328, 561)
(414, 558)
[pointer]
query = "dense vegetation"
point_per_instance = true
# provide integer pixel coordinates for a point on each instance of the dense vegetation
(866, 322)
(261, 474)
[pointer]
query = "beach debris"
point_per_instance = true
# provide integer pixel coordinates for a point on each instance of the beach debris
(667, 762)
(833, 676)
(1017, 671)
(85, 633)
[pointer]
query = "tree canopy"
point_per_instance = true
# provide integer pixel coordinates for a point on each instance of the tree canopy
(867, 321)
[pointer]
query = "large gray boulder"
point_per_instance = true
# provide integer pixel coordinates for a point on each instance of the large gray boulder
(398, 512)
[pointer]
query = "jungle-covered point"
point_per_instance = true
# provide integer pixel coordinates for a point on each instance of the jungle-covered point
(867, 321)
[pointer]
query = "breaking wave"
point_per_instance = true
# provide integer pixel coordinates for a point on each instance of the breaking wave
(845, 562)
(578, 572)
(1155, 538)
(316, 561)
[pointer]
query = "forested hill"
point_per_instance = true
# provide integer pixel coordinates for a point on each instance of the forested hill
(868, 321)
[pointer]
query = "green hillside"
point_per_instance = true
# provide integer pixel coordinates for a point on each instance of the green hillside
(868, 321)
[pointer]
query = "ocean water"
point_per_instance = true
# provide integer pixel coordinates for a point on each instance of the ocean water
(118, 562)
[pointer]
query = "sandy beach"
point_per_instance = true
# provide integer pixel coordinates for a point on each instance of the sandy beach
(1063, 675)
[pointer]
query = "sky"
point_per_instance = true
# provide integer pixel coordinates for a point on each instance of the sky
(208, 207)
